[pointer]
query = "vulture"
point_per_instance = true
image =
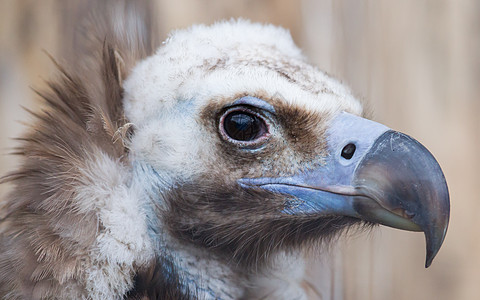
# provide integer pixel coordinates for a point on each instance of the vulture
(201, 169)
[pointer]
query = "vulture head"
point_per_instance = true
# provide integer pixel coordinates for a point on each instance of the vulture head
(188, 171)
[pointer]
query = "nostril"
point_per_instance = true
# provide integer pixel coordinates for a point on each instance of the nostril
(348, 151)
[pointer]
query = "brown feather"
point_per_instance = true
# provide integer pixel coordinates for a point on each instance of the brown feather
(253, 230)
(156, 283)
(46, 234)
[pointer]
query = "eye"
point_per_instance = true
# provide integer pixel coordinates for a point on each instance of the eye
(243, 125)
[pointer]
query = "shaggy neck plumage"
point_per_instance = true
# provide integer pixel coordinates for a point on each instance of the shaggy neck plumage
(194, 272)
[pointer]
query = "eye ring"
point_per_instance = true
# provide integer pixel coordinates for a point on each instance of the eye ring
(244, 127)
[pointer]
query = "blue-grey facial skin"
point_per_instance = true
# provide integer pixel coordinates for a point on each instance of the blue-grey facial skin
(391, 179)
(255, 102)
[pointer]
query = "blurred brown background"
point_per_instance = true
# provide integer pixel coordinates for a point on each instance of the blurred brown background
(417, 64)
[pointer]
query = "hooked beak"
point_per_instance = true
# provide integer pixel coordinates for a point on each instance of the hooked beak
(371, 173)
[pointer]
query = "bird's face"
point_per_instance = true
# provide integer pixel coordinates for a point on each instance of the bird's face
(255, 150)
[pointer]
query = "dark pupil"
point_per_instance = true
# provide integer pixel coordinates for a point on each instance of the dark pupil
(348, 151)
(241, 126)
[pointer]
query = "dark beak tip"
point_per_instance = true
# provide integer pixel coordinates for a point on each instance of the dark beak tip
(436, 231)
(429, 259)
(428, 262)
(434, 241)
(431, 253)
